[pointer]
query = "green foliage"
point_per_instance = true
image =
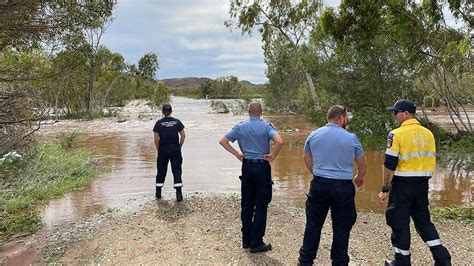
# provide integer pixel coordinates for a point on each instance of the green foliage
(47, 171)
(223, 88)
(316, 113)
(459, 213)
(365, 54)
(385, 62)
(27, 24)
(67, 139)
(219, 107)
(372, 126)
(194, 93)
(160, 95)
(285, 76)
(148, 65)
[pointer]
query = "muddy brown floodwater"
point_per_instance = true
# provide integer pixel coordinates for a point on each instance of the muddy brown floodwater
(207, 167)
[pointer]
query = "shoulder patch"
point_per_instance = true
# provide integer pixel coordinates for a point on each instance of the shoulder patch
(390, 140)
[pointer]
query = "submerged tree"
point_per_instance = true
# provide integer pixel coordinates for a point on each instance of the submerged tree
(436, 54)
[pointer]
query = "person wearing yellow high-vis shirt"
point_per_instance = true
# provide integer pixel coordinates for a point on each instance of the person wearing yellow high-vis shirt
(410, 160)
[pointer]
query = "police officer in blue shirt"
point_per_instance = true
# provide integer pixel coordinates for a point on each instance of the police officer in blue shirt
(329, 154)
(253, 136)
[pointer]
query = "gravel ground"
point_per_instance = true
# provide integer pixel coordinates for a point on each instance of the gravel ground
(205, 229)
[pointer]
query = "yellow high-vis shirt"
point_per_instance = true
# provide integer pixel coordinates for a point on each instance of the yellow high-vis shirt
(415, 148)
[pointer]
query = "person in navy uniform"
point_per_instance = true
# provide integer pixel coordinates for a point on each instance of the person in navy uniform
(168, 145)
(253, 137)
(329, 155)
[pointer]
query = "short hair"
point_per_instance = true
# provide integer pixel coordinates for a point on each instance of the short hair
(336, 111)
(255, 107)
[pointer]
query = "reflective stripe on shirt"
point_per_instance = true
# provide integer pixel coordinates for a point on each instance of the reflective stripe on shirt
(416, 154)
(391, 152)
(413, 173)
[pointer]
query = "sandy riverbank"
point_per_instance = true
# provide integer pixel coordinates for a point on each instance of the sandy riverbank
(205, 229)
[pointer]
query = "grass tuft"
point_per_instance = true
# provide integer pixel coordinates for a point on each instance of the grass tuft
(460, 213)
(47, 171)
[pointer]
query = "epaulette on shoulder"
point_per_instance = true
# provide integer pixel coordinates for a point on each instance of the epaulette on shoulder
(238, 124)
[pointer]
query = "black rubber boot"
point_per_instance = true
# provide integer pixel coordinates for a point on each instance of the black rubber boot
(158, 193)
(179, 194)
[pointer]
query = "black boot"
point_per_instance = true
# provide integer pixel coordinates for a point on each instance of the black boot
(179, 194)
(158, 193)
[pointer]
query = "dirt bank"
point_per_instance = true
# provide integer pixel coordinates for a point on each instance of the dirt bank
(206, 230)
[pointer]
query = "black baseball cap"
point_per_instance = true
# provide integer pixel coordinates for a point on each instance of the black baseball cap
(166, 107)
(403, 105)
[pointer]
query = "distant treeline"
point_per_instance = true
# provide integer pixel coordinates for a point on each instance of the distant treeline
(221, 88)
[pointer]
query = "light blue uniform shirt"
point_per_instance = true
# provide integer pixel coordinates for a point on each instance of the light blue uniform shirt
(253, 136)
(334, 150)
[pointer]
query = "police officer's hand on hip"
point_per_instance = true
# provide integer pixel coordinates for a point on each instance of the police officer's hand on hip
(253, 136)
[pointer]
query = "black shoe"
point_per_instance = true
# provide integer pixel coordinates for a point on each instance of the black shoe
(158, 193)
(179, 195)
(262, 248)
(443, 263)
(390, 263)
(245, 246)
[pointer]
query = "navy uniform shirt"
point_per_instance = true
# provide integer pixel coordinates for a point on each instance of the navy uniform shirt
(168, 128)
(253, 136)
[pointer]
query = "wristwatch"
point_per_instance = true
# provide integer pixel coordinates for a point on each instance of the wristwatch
(385, 188)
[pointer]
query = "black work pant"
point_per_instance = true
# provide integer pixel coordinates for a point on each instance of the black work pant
(410, 199)
(325, 194)
(167, 153)
(256, 192)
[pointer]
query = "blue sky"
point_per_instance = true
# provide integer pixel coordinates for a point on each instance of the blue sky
(189, 38)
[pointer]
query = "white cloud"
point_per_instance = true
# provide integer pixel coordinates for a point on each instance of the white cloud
(238, 56)
(242, 65)
(189, 37)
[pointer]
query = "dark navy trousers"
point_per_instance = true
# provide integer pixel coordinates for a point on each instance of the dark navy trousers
(256, 192)
(325, 194)
(169, 153)
(410, 199)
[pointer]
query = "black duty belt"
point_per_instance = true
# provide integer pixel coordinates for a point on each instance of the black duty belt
(325, 180)
(255, 161)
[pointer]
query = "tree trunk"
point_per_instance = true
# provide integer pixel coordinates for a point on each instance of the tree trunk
(90, 90)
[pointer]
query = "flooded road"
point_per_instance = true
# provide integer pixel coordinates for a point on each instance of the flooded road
(207, 167)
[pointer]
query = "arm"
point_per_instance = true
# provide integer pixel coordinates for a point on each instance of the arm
(181, 139)
(278, 145)
(308, 161)
(156, 139)
(361, 169)
(387, 180)
(225, 143)
(390, 164)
